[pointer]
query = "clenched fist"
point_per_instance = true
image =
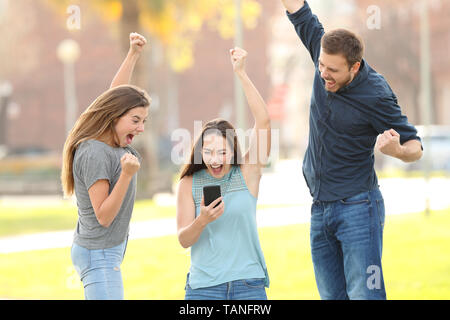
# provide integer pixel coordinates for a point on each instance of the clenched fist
(389, 143)
(238, 57)
(130, 164)
(137, 42)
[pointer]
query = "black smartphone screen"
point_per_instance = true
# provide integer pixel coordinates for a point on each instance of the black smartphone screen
(211, 193)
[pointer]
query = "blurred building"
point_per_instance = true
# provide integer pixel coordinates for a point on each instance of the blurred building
(394, 51)
(35, 122)
(206, 91)
(278, 64)
(30, 63)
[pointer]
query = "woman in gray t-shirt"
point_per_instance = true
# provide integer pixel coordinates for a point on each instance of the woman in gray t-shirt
(100, 167)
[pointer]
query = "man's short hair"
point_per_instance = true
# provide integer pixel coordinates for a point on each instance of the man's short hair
(344, 42)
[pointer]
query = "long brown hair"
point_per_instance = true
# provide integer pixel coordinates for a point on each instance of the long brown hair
(97, 121)
(218, 126)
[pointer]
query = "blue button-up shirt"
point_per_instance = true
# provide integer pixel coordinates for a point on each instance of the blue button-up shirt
(343, 126)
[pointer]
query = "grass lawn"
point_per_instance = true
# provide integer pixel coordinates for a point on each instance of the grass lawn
(416, 264)
(26, 218)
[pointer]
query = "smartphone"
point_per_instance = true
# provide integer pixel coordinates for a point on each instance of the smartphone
(211, 193)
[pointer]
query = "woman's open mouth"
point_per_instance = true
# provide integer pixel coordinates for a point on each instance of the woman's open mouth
(216, 169)
(129, 138)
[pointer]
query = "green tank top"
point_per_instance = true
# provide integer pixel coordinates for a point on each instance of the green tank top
(228, 248)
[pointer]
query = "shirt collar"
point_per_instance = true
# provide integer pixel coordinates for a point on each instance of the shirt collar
(360, 77)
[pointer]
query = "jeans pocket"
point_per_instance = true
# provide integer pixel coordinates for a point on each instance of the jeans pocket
(254, 283)
(381, 211)
(316, 208)
(357, 199)
(354, 202)
(81, 259)
(98, 255)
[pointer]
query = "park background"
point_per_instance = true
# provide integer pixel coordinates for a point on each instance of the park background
(57, 56)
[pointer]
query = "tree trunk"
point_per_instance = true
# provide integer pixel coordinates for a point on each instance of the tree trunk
(148, 145)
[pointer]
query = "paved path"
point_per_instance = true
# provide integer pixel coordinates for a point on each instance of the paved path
(141, 230)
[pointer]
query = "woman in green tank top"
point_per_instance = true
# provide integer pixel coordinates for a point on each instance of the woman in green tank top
(226, 257)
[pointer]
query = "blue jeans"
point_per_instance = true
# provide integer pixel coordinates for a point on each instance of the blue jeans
(346, 245)
(99, 270)
(246, 289)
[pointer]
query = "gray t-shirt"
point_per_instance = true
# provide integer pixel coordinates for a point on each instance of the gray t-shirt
(93, 161)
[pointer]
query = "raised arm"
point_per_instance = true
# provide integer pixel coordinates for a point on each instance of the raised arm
(123, 75)
(259, 149)
(293, 5)
(307, 25)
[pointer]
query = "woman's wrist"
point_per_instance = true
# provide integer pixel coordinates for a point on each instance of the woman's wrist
(202, 221)
(133, 55)
(241, 74)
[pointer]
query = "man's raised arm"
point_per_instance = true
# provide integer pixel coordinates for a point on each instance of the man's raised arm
(306, 24)
(293, 5)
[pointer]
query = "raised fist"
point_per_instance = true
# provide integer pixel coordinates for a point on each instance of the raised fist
(238, 57)
(137, 42)
(130, 164)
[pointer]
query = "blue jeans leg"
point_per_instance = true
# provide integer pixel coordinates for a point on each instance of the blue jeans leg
(327, 256)
(346, 244)
(361, 236)
(99, 270)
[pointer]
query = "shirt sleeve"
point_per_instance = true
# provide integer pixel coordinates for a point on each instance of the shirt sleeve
(309, 29)
(94, 165)
(387, 115)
